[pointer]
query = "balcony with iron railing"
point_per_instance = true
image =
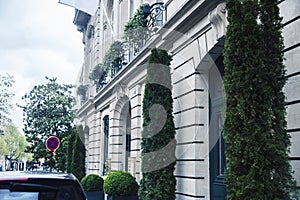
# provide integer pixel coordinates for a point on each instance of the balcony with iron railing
(121, 53)
(139, 31)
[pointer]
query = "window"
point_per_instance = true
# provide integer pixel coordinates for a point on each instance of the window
(106, 139)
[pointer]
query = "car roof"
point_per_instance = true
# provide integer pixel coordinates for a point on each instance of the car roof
(13, 175)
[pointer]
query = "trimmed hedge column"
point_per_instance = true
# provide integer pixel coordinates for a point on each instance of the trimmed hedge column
(254, 129)
(282, 185)
(78, 156)
(158, 143)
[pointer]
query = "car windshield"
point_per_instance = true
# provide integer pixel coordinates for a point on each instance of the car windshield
(5, 194)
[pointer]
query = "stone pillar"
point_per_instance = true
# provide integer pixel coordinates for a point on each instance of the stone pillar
(135, 96)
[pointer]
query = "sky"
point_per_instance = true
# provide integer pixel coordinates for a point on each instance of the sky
(37, 39)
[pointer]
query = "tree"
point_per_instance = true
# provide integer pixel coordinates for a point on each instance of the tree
(158, 135)
(78, 154)
(71, 139)
(283, 184)
(13, 143)
(255, 115)
(48, 112)
(6, 83)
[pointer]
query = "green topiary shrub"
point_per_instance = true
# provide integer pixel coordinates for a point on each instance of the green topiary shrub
(78, 155)
(257, 142)
(120, 183)
(92, 182)
(158, 180)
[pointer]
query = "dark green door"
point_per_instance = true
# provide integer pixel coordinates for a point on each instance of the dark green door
(217, 147)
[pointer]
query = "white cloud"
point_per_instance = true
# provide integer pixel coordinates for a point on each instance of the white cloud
(38, 39)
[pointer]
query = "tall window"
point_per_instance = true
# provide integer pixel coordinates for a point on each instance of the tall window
(128, 133)
(130, 8)
(106, 138)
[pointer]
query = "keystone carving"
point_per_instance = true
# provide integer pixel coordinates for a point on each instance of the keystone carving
(217, 17)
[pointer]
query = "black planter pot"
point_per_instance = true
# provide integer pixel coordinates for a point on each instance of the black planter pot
(122, 198)
(97, 195)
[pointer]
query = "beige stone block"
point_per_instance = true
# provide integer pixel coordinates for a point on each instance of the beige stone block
(135, 100)
(189, 101)
(194, 116)
(202, 45)
(289, 9)
(293, 116)
(173, 7)
(210, 39)
(296, 167)
(292, 85)
(135, 144)
(191, 134)
(292, 60)
(136, 133)
(183, 71)
(177, 60)
(192, 151)
(136, 111)
(187, 85)
(136, 121)
(195, 187)
(295, 147)
(291, 33)
(191, 168)
(190, 51)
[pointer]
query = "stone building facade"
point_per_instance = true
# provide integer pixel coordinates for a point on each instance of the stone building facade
(193, 32)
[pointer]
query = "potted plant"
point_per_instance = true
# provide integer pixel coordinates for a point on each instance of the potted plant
(96, 73)
(120, 185)
(81, 90)
(136, 31)
(114, 57)
(93, 186)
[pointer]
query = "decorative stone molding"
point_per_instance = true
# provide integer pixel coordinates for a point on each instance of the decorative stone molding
(120, 90)
(90, 31)
(217, 17)
(105, 25)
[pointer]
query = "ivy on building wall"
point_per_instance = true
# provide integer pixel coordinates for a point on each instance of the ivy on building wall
(158, 135)
(255, 126)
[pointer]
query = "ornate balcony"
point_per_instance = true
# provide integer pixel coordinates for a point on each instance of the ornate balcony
(154, 13)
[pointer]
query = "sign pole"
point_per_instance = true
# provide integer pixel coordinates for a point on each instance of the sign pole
(51, 161)
(52, 143)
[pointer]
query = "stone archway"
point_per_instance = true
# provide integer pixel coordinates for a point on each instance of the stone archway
(122, 132)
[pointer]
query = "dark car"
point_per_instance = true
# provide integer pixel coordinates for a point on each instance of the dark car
(39, 185)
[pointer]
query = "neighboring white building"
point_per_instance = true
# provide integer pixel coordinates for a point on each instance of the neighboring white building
(193, 31)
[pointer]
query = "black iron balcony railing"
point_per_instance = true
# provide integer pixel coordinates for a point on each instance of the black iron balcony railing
(155, 16)
(155, 19)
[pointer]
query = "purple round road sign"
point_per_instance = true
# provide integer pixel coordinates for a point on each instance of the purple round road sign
(52, 143)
